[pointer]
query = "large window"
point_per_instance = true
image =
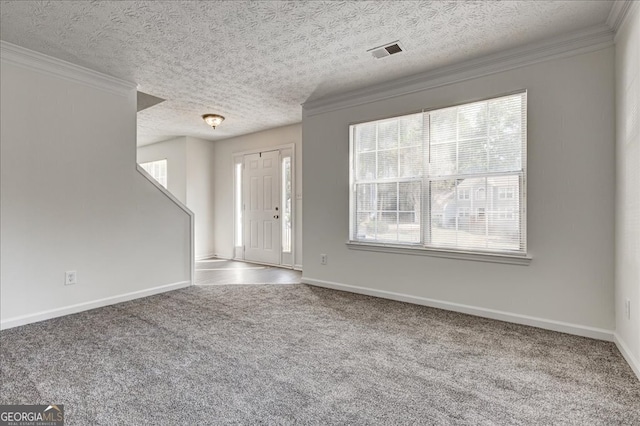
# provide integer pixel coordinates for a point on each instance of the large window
(451, 178)
(157, 170)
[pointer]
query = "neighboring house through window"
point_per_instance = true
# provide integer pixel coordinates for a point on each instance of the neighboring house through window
(506, 193)
(464, 194)
(481, 194)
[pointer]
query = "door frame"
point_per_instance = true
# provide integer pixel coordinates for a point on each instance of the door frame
(238, 158)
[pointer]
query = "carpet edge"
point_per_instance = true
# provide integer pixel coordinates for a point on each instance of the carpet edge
(626, 354)
(547, 324)
(85, 306)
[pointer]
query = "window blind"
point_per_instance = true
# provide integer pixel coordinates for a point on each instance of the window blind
(451, 178)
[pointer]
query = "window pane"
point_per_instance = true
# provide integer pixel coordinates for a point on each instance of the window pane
(286, 205)
(365, 197)
(505, 155)
(505, 134)
(411, 130)
(238, 206)
(410, 196)
(387, 164)
(388, 134)
(486, 222)
(504, 224)
(387, 226)
(409, 216)
(388, 196)
(443, 125)
(366, 226)
(443, 159)
(472, 156)
(366, 165)
(444, 213)
(472, 121)
(410, 161)
(366, 137)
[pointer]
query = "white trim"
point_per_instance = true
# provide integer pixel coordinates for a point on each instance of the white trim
(563, 327)
(626, 353)
(264, 149)
(85, 306)
(247, 284)
(618, 13)
(205, 256)
(238, 157)
(217, 257)
(582, 41)
(449, 254)
(233, 269)
(35, 61)
(297, 267)
(192, 222)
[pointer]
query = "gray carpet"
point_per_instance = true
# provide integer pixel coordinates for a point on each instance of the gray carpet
(301, 355)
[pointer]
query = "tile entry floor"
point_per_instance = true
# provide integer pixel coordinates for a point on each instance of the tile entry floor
(214, 271)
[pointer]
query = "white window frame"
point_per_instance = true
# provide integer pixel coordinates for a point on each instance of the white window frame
(522, 258)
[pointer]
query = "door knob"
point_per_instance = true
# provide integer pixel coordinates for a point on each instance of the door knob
(276, 216)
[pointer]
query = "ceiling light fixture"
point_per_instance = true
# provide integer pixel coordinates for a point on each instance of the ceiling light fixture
(213, 120)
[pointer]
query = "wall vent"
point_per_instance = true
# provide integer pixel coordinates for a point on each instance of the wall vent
(386, 49)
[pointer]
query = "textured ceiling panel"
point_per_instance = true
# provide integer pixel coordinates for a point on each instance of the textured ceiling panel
(256, 62)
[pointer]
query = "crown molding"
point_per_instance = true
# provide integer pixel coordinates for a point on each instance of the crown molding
(19, 56)
(618, 14)
(583, 41)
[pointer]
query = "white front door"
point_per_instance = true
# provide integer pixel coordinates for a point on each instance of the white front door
(261, 198)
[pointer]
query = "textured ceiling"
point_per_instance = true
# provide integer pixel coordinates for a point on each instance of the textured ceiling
(256, 62)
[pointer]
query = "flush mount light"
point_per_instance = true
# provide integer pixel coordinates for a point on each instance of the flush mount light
(213, 120)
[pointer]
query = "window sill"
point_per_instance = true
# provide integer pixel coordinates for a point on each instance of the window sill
(449, 254)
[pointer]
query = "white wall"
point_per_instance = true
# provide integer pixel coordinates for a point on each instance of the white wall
(190, 179)
(570, 203)
(175, 152)
(200, 193)
(223, 169)
(628, 186)
(71, 198)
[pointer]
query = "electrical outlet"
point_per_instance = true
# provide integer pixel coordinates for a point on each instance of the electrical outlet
(627, 308)
(323, 259)
(70, 278)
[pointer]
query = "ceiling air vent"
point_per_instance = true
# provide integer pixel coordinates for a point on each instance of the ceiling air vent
(386, 49)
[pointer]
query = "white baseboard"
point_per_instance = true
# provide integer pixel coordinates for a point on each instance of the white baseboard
(563, 327)
(80, 307)
(297, 267)
(626, 353)
(205, 256)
